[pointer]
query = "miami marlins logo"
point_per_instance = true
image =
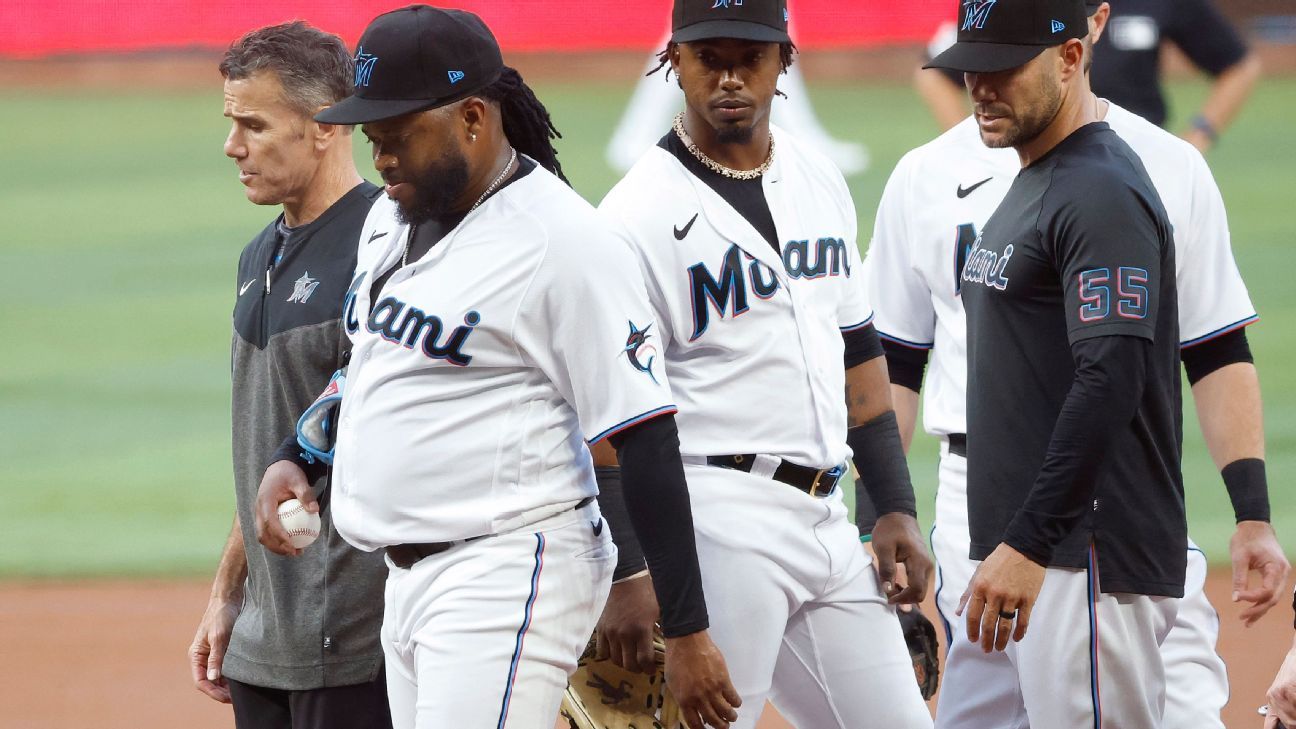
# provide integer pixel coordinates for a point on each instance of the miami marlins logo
(726, 3)
(976, 13)
(303, 288)
(639, 352)
(364, 64)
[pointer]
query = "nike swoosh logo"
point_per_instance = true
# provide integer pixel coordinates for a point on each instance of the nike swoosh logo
(597, 527)
(681, 232)
(375, 237)
(965, 191)
(243, 289)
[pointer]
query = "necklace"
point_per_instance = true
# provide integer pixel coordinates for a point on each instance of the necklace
(489, 189)
(716, 166)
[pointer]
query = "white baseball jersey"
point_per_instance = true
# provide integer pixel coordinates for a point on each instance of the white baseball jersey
(941, 194)
(750, 336)
(482, 369)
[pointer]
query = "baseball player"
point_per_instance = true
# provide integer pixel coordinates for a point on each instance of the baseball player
(939, 196)
(1075, 497)
(747, 240)
(496, 326)
(291, 643)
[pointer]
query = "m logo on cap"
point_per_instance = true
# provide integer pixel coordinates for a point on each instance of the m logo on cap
(364, 64)
(455, 76)
(977, 12)
(726, 3)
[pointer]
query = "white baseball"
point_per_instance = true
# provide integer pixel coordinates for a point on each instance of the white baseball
(302, 526)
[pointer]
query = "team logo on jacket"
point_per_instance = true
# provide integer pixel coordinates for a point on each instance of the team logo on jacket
(739, 271)
(303, 288)
(987, 267)
(639, 352)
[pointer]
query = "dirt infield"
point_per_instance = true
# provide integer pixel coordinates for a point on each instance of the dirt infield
(112, 655)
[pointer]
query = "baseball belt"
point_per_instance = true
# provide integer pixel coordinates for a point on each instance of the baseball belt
(407, 555)
(818, 482)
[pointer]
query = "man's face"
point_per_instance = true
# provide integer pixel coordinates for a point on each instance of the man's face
(1013, 107)
(730, 83)
(421, 162)
(272, 144)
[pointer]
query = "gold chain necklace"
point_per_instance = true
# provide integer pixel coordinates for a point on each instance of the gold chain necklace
(716, 166)
(489, 189)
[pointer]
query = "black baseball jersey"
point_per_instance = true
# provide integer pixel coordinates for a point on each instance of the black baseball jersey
(1077, 263)
(1127, 59)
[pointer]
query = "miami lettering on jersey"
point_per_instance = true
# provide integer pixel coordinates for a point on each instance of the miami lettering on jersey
(986, 266)
(728, 291)
(399, 323)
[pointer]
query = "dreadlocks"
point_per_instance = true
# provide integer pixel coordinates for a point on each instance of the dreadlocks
(786, 52)
(526, 121)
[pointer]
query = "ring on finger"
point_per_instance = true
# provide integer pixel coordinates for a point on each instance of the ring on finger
(1007, 615)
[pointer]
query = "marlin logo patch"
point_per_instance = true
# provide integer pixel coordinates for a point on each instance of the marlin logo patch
(976, 12)
(303, 288)
(639, 352)
(364, 64)
(727, 4)
(455, 76)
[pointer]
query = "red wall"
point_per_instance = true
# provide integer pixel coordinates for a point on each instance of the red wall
(33, 28)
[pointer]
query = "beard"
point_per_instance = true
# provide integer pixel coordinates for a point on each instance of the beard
(1033, 119)
(735, 134)
(435, 189)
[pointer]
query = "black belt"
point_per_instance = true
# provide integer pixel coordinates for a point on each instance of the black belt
(818, 482)
(405, 556)
(958, 444)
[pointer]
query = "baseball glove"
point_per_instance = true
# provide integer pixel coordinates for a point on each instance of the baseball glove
(602, 695)
(920, 635)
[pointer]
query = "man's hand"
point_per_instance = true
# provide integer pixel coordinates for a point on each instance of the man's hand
(1006, 583)
(1282, 694)
(896, 539)
(1254, 547)
(625, 630)
(699, 680)
(283, 480)
(207, 652)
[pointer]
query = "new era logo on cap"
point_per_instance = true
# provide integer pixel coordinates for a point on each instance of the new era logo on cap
(1058, 26)
(455, 76)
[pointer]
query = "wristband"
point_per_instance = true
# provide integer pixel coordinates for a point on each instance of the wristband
(1248, 489)
(1201, 124)
(883, 471)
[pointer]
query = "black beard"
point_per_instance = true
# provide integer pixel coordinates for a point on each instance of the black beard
(435, 189)
(735, 135)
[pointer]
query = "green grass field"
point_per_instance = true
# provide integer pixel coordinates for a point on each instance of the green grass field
(123, 223)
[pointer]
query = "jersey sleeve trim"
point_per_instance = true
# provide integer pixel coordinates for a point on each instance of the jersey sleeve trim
(860, 325)
(1221, 331)
(905, 342)
(624, 424)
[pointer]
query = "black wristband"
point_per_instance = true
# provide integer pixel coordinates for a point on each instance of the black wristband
(290, 450)
(630, 557)
(883, 471)
(1248, 489)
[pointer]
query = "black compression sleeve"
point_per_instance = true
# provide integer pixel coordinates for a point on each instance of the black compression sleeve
(1248, 489)
(290, 450)
(630, 559)
(866, 515)
(862, 345)
(883, 471)
(1202, 359)
(1111, 372)
(905, 365)
(656, 495)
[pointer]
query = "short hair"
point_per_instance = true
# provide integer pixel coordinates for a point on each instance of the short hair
(315, 68)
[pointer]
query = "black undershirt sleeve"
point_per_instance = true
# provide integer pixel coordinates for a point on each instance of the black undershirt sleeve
(656, 496)
(905, 365)
(1202, 359)
(862, 345)
(291, 450)
(1207, 37)
(1111, 372)
(630, 558)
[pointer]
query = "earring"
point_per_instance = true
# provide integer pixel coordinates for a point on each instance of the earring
(472, 137)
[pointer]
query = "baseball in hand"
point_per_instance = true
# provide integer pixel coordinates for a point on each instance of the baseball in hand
(302, 526)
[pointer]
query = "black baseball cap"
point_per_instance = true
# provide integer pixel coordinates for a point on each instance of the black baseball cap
(755, 20)
(417, 58)
(996, 35)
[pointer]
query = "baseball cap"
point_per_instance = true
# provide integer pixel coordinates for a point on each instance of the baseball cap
(415, 58)
(755, 20)
(996, 35)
